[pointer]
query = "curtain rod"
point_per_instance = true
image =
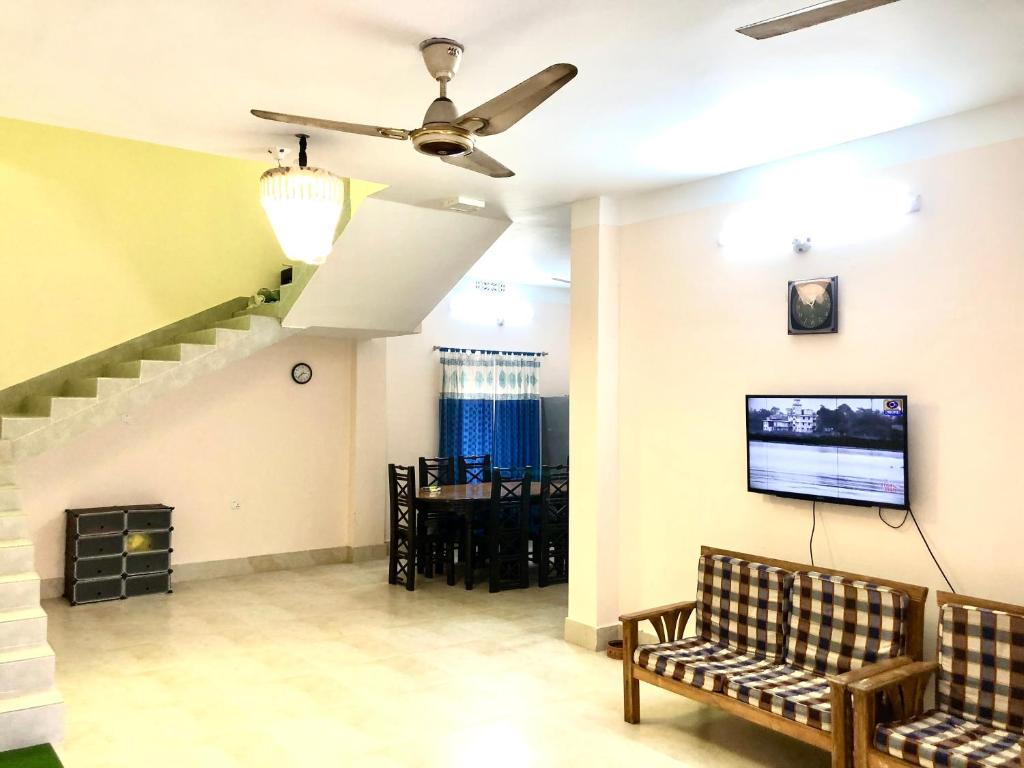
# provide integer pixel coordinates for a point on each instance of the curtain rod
(488, 351)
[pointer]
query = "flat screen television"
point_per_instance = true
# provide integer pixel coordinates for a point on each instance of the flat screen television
(838, 449)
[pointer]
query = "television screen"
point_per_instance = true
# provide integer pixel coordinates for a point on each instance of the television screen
(847, 450)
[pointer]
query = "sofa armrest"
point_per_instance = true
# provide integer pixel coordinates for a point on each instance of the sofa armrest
(668, 621)
(909, 676)
(902, 691)
(868, 670)
(842, 711)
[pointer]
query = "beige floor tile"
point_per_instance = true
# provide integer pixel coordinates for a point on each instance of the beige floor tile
(331, 666)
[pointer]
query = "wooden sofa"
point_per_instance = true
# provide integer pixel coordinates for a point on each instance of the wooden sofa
(763, 650)
(978, 718)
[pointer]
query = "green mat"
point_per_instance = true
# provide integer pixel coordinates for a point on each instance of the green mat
(42, 756)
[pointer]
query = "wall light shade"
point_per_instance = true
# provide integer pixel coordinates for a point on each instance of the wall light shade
(304, 206)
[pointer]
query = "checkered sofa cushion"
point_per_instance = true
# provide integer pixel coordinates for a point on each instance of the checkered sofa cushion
(981, 666)
(838, 624)
(696, 661)
(940, 739)
(743, 605)
(796, 694)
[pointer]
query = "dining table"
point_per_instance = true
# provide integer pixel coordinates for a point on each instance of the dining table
(461, 500)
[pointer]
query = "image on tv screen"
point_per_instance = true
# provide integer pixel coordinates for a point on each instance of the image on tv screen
(850, 449)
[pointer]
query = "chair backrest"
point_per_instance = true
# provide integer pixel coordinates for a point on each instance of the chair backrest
(981, 661)
(509, 528)
(402, 487)
(554, 495)
(743, 604)
(439, 470)
(837, 624)
(918, 595)
(475, 469)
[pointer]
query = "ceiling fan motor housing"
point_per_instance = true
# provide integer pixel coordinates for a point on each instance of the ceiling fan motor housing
(442, 56)
(442, 140)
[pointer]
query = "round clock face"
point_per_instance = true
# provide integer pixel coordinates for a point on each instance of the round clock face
(302, 373)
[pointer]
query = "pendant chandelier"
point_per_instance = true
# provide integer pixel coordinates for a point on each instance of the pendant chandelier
(304, 205)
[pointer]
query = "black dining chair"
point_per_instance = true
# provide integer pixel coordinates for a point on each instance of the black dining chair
(475, 469)
(439, 470)
(551, 539)
(404, 530)
(439, 536)
(508, 530)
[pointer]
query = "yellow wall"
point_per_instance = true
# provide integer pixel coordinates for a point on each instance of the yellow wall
(105, 239)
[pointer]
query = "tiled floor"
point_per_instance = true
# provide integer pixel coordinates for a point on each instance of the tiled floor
(329, 666)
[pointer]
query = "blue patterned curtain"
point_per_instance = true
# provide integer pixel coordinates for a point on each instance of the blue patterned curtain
(490, 403)
(466, 410)
(516, 411)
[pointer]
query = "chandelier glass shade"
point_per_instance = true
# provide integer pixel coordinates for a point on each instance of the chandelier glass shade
(304, 205)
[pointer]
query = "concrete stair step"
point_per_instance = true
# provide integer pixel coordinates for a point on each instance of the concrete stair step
(19, 590)
(22, 627)
(59, 407)
(31, 718)
(13, 525)
(180, 352)
(16, 556)
(265, 310)
(10, 498)
(28, 668)
(13, 427)
(220, 336)
(98, 386)
(236, 323)
(140, 369)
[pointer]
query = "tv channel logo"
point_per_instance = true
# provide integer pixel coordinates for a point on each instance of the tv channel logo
(892, 407)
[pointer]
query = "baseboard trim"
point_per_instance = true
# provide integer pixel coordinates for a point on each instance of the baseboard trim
(247, 566)
(590, 637)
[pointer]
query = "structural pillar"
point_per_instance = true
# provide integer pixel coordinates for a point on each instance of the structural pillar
(593, 426)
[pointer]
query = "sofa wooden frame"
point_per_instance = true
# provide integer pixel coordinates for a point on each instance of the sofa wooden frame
(670, 621)
(900, 693)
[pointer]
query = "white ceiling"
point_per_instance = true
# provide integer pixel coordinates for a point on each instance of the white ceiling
(667, 91)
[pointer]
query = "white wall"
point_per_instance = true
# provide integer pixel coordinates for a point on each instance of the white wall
(245, 433)
(929, 309)
(414, 373)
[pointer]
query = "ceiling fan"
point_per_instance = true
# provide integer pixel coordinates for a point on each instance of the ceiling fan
(445, 133)
(829, 10)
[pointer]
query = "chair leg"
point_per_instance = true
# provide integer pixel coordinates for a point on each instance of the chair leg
(543, 548)
(449, 547)
(468, 556)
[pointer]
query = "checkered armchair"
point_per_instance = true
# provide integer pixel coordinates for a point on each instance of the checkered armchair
(978, 718)
(775, 642)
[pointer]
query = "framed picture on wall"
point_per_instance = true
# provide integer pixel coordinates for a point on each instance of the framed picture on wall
(813, 305)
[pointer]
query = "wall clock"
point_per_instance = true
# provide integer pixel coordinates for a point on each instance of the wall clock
(814, 306)
(302, 373)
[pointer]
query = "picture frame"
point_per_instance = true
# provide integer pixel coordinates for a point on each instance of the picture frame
(812, 306)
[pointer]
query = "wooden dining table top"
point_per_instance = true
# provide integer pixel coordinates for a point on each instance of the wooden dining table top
(478, 492)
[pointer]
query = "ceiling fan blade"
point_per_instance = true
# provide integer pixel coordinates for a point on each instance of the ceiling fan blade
(808, 17)
(504, 111)
(481, 163)
(333, 125)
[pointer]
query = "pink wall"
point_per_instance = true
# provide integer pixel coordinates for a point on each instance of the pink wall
(245, 433)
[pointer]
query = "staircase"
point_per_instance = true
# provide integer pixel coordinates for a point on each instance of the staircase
(31, 709)
(42, 421)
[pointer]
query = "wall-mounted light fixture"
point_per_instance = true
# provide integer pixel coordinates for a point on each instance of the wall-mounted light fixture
(304, 205)
(846, 213)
